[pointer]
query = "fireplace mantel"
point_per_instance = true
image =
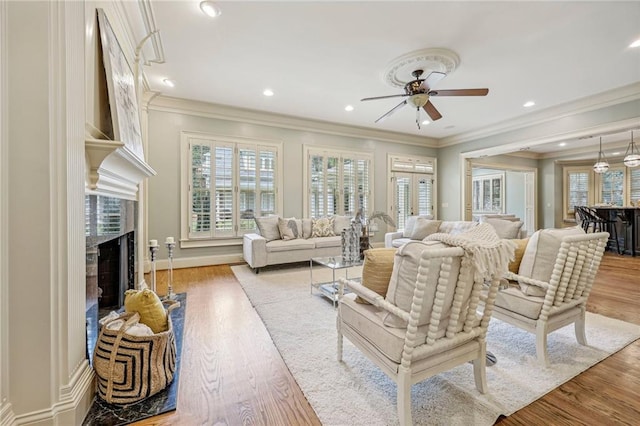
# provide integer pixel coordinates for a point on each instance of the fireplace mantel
(113, 170)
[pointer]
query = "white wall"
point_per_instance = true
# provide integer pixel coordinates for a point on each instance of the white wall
(166, 123)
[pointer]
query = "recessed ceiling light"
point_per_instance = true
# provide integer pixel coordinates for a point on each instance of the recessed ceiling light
(635, 43)
(528, 104)
(425, 122)
(348, 108)
(268, 92)
(209, 8)
(562, 144)
(615, 153)
(169, 82)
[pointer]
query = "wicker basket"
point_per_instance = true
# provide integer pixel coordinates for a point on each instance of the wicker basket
(132, 368)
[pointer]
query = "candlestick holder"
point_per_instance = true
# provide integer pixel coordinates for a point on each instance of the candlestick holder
(153, 250)
(170, 294)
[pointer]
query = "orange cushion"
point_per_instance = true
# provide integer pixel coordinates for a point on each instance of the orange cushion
(376, 271)
(514, 265)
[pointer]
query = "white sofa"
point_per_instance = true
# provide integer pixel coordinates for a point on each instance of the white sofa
(264, 250)
(418, 227)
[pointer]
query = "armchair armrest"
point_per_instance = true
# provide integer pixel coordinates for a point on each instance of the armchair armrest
(254, 250)
(390, 236)
(372, 297)
(521, 278)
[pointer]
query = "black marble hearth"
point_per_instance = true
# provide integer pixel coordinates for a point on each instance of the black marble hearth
(104, 414)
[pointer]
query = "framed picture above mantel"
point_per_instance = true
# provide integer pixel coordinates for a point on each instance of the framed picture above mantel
(121, 88)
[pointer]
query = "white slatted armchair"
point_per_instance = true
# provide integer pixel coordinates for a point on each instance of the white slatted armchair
(439, 329)
(542, 306)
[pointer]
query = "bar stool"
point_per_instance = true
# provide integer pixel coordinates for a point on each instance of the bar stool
(605, 223)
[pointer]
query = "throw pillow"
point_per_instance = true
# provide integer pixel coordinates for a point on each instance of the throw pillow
(410, 223)
(268, 227)
(149, 306)
(542, 249)
(340, 223)
(323, 227)
(376, 271)
(307, 227)
(424, 227)
(521, 246)
(504, 228)
(288, 228)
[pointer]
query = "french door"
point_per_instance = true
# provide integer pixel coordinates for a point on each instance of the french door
(412, 195)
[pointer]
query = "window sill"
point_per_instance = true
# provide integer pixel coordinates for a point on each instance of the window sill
(220, 242)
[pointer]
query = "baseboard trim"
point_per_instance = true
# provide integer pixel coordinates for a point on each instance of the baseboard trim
(72, 408)
(194, 262)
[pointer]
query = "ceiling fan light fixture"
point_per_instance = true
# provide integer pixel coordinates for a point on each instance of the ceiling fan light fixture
(419, 100)
(210, 9)
(632, 155)
(602, 165)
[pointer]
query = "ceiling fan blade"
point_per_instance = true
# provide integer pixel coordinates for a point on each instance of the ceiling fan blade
(432, 79)
(392, 110)
(459, 92)
(383, 97)
(431, 111)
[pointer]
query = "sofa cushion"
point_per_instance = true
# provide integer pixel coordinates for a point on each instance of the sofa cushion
(320, 242)
(542, 249)
(366, 320)
(268, 227)
(288, 245)
(376, 271)
(514, 300)
(521, 246)
(399, 242)
(288, 228)
(340, 223)
(424, 227)
(323, 227)
(403, 282)
(456, 227)
(504, 228)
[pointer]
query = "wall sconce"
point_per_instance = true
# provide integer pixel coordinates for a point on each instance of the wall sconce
(632, 155)
(601, 165)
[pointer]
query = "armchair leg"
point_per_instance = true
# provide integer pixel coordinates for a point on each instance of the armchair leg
(579, 325)
(404, 397)
(480, 370)
(541, 344)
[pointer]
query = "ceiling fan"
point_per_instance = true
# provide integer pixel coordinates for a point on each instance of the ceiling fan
(420, 90)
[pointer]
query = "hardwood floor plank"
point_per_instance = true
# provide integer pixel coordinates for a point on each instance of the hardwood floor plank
(232, 374)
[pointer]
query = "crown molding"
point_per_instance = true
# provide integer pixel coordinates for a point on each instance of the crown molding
(609, 98)
(203, 109)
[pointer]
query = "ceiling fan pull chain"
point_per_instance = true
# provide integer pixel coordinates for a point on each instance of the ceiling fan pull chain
(418, 118)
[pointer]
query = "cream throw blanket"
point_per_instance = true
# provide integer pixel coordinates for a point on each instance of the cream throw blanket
(489, 254)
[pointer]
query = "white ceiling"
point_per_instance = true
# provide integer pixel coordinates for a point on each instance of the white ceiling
(320, 56)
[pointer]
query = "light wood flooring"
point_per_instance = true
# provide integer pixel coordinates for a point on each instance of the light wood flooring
(232, 374)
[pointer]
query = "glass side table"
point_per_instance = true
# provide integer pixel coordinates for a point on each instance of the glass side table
(330, 289)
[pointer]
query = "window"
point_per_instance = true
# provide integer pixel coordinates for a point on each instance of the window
(225, 184)
(618, 186)
(488, 193)
(337, 182)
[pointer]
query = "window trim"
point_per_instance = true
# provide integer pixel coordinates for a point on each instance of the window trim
(309, 150)
(210, 241)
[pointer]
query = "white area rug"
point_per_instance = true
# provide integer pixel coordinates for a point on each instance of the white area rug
(356, 392)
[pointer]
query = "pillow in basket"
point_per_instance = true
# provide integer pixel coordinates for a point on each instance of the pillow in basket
(149, 306)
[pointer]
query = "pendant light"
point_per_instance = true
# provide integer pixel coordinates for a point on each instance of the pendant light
(601, 165)
(632, 155)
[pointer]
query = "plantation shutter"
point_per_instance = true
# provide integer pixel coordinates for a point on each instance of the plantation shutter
(578, 190)
(634, 187)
